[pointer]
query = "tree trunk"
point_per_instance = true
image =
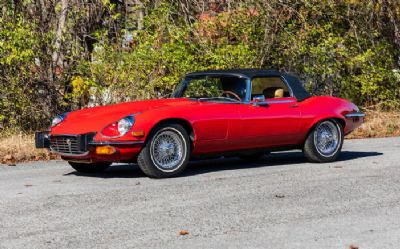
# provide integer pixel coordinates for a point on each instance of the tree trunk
(57, 57)
(140, 14)
(134, 15)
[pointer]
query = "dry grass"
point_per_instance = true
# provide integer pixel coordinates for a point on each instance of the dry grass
(21, 148)
(378, 124)
(17, 147)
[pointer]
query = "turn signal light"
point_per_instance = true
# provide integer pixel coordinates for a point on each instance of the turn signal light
(105, 150)
(138, 133)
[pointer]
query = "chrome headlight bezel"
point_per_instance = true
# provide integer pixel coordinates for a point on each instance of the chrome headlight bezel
(120, 127)
(125, 124)
(58, 119)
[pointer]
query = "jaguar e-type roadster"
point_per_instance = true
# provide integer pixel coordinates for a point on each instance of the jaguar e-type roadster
(245, 113)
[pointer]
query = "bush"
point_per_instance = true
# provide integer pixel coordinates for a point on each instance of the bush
(341, 48)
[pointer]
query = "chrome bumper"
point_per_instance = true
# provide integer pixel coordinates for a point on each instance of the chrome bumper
(355, 115)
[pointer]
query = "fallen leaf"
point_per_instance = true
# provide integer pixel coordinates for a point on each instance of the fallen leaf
(183, 232)
(28, 185)
(11, 164)
(280, 196)
(353, 247)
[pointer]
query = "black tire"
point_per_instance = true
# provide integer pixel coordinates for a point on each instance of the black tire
(89, 168)
(148, 157)
(311, 149)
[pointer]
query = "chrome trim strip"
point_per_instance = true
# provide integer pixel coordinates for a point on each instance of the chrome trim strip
(86, 161)
(224, 102)
(70, 155)
(115, 142)
(355, 115)
(277, 101)
(63, 135)
(288, 86)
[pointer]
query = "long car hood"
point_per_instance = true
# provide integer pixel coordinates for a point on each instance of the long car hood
(94, 119)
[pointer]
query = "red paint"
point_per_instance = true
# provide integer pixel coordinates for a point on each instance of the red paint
(217, 127)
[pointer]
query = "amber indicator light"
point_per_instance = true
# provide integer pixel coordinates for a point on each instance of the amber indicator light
(105, 150)
(138, 133)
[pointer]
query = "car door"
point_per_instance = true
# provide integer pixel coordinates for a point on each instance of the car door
(217, 127)
(272, 118)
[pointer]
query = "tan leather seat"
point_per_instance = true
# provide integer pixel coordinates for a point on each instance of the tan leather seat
(279, 93)
(273, 92)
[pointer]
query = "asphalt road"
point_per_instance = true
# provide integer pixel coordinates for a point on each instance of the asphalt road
(280, 202)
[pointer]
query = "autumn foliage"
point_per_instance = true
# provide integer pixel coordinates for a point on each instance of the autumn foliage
(59, 55)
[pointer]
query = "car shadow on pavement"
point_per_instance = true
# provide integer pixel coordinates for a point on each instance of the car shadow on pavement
(115, 171)
(351, 155)
(213, 165)
(291, 158)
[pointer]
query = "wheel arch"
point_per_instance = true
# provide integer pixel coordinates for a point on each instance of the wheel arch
(340, 121)
(183, 122)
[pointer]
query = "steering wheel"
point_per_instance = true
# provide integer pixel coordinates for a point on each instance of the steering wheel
(231, 93)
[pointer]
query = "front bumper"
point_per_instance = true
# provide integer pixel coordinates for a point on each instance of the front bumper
(82, 148)
(355, 115)
(42, 140)
(353, 121)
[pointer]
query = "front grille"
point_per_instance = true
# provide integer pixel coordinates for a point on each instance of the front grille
(67, 145)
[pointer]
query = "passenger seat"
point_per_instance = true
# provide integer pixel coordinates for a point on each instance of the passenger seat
(273, 92)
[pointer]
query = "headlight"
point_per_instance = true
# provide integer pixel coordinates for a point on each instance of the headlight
(58, 119)
(119, 128)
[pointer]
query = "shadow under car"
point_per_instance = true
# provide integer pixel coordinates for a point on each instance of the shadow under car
(231, 163)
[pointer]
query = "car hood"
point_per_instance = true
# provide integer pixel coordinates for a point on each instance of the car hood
(95, 118)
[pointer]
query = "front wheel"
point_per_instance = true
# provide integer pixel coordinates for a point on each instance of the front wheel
(324, 142)
(89, 167)
(166, 153)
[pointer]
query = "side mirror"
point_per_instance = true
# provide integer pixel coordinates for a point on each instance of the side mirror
(259, 100)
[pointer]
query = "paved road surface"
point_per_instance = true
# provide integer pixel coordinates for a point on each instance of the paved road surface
(279, 202)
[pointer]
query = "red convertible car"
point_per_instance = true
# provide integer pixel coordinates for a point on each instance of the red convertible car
(245, 113)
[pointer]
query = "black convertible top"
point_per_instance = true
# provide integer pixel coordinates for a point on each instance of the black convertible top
(299, 92)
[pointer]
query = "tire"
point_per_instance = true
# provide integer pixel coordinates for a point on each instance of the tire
(89, 168)
(166, 153)
(324, 142)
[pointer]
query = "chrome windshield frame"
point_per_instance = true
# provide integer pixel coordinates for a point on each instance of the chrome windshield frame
(178, 93)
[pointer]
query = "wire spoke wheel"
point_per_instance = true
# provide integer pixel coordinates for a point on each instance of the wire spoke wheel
(167, 150)
(327, 138)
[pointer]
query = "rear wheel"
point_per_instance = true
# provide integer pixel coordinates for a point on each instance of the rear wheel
(324, 142)
(89, 167)
(166, 153)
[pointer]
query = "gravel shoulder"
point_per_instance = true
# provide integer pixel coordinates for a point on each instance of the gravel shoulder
(281, 201)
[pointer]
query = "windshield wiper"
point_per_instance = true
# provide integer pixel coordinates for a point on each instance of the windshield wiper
(218, 98)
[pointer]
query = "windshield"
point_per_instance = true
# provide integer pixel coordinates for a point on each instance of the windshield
(213, 88)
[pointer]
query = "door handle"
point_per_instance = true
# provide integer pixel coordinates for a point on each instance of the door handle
(294, 106)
